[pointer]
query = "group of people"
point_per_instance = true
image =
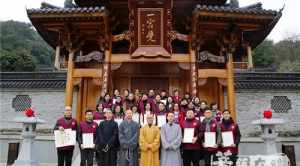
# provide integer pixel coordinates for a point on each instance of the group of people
(150, 130)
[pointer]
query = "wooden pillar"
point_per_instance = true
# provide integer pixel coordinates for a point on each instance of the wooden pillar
(194, 75)
(250, 60)
(105, 76)
(57, 57)
(69, 84)
(79, 102)
(230, 87)
(221, 97)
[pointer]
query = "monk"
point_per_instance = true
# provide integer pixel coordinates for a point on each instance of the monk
(171, 138)
(149, 143)
(128, 137)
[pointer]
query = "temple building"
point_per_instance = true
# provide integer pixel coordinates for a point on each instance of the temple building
(193, 46)
(203, 47)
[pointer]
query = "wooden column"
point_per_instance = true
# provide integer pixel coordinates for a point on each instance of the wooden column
(57, 56)
(221, 97)
(250, 60)
(194, 75)
(69, 84)
(105, 76)
(230, 87)
(79, 102)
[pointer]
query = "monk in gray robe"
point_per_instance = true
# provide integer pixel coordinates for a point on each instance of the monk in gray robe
(129, 139)
(171, 138)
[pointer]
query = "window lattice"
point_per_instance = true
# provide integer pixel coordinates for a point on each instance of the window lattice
(21, 102)
(281, 104)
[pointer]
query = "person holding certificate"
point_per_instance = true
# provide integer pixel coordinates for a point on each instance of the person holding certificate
(86, 139)
(171, 138)
(118, 114)
(230, 136)
(200, 111)
(190, 143)
(210, 134)
(65, 153)
(179, 116)
(107, 142)
(161, 115)
(135, 114)
(143, 116)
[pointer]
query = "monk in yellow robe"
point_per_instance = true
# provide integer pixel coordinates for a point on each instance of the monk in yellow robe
(149, 143)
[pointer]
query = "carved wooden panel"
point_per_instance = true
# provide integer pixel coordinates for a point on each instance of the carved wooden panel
(150, 24)
(150, 27)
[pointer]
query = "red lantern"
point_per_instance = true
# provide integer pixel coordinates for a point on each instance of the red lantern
(268, 114)
(29, 112)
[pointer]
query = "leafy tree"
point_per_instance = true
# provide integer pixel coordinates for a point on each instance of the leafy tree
(22, 49)
(263, 55)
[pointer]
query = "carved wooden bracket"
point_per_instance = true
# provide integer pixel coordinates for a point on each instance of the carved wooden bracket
(77, 81)
(115, 66)
(184, 66)
(222, 81)
(97, 81)
(202, 81)
(123, 36)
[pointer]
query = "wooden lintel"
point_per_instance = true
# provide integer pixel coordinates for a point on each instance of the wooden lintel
(234, 15)
(67, 15)
(94, 73)
(120, 58)
(216, 73)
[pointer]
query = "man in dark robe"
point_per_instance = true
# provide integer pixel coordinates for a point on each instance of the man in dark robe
(65, 154)
(128, 137)
(107, 143)
(87, 127)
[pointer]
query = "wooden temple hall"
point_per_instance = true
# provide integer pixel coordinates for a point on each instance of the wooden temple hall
(190, 45)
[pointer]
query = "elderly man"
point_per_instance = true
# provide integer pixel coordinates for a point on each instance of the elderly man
(65, 154)
(128, 137)
(149, 143)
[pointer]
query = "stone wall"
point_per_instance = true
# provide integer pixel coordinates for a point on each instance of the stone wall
(48, 104)
(250, 105)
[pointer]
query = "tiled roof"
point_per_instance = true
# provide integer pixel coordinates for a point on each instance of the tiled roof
(243, 10)
(57, 80)
(65, 10)
(32, 84)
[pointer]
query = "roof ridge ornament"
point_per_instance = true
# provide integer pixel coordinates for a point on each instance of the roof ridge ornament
(69, 4)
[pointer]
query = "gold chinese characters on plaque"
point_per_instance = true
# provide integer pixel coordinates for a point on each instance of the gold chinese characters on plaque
(150, 29)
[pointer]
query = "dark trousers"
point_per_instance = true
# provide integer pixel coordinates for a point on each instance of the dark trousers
(108, 158)
(64, 157)
(208, 156)
(233, 158)
(87, 157)
(98, 158)
(191, 157)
